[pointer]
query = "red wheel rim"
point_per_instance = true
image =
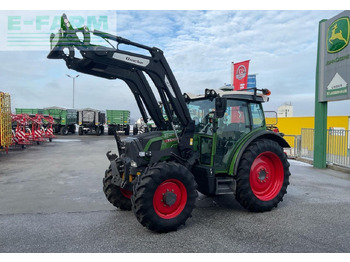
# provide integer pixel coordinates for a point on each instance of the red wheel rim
(126, 193)
(266, 176)
(170, 198)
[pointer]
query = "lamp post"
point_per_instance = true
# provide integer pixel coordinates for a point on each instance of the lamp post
(73, 77)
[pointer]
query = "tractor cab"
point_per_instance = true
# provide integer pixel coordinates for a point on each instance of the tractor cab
(225, 121)
(242, 114)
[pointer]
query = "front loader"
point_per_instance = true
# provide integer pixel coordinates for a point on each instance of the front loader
(216, 142)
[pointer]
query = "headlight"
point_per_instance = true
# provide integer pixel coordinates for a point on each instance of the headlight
(133, 163)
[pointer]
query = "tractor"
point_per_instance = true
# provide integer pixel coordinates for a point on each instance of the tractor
(216, 143)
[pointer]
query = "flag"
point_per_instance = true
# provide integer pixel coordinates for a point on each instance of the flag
(240, 75)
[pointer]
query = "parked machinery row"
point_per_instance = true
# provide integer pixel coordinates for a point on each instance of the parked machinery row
(29, 126)
(89, 120)
(22, 129)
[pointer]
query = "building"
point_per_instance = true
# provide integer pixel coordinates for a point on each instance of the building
(285, 110)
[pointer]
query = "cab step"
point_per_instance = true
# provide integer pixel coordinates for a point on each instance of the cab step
(225, 186)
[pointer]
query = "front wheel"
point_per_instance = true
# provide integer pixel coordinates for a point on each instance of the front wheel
(117, 196)
(164, 197)
(263, 176)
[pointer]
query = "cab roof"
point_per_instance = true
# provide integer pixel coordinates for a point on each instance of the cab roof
(249, 95)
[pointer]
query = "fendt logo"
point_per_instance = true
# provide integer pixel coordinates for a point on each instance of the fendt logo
(338, 35)
(241, 72)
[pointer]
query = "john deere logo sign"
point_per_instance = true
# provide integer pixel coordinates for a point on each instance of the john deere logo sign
(333, 81)
(338, 35)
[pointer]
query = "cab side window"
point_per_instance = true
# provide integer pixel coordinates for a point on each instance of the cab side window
(257, 115)
(236, 119)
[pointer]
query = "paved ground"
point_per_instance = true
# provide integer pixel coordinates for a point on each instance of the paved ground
(51, 200)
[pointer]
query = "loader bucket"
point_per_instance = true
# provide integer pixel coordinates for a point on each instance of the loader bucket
(67, 38)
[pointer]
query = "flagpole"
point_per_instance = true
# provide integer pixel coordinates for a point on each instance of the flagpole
(232, 73)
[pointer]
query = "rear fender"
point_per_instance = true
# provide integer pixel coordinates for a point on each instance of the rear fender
(260, 135)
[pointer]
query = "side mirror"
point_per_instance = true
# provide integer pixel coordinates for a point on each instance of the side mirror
(220, 106)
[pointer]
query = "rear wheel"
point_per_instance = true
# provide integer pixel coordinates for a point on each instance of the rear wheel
(64, 130)
(117, 196)
(263, 176)
(98, 130)
(72, 129)
(135, 130)
(127, 130)
(164, 197)
(112, 130)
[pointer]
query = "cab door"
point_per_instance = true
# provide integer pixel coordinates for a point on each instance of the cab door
(235, 124)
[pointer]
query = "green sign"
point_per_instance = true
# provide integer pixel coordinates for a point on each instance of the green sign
(332, 76)
(333, 58)
(338, 35)
(339, 91)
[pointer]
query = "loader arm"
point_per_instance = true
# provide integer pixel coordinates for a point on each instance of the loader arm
(112, 63)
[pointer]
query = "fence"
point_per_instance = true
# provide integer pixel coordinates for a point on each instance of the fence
(338, 146)
(5, 121)
(292, 140)
(307, 143)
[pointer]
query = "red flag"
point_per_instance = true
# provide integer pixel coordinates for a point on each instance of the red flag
(240, 75)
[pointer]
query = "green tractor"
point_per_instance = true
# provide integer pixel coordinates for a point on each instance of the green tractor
(216, 142)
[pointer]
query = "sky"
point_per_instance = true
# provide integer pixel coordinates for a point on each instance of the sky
(200, 47)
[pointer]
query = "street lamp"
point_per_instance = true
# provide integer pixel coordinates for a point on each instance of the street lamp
(73, 77)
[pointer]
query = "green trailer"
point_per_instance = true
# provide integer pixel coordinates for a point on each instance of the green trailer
(29, 111)
(118, 120)
(65, 119)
